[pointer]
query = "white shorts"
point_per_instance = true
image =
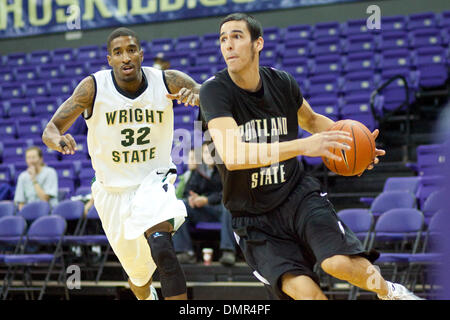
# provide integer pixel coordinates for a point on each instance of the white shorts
(114, 207)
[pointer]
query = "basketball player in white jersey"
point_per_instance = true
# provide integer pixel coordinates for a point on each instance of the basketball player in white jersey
(128, 111)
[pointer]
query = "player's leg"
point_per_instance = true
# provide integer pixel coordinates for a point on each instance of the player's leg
(145, 292)
(357, 271)
(301, 287)
(173, 281)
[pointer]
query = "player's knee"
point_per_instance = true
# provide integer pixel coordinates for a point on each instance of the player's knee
(339, 266)
(171, 275)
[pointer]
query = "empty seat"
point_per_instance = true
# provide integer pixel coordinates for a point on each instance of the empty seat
(431, 64)
(326, 45)
(161, 45)
(86, 53)
(392, 40)
(360, 61)
(327, 64)
(63, 55)
(298, 67)
(39, 57)
(297, 32)
(394, 23)
(422, 20)
(210, 40)
(26, 73)
(360, 42)
(388, 200)
(210, 56)
(426, 37)
(326, 29)
(35, 88)
(19, 108)
(187, 43)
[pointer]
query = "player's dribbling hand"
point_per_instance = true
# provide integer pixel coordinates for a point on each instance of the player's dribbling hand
(66, 144)
(378, 153)
(319, 144)
(186, 96)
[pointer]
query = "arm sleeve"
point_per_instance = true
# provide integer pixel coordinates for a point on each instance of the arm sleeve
(214, 101)
(19, 196)
(50, 185)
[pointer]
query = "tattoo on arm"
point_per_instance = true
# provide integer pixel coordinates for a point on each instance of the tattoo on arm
(80, 100)
(176, 80)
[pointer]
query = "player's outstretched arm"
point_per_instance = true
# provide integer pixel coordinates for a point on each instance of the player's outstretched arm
(182, 88)
(66, 115)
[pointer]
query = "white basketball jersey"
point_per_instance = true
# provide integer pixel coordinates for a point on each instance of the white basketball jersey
(128, 138)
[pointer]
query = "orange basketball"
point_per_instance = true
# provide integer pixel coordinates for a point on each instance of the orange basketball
(361, 154)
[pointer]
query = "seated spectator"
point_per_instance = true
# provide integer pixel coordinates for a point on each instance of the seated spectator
(38, 182)
(203, 199)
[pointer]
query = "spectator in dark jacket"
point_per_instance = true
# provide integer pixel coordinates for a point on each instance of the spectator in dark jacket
(203, 199)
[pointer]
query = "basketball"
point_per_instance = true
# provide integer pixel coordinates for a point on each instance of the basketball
(361, 154)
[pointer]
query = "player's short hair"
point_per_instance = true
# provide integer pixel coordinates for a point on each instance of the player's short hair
(122, 32)
(253, 25)
(38, 150)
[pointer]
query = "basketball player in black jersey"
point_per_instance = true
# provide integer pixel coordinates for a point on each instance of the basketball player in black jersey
(283, 222)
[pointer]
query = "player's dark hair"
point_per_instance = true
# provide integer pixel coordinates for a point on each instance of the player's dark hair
(253, 25)
(120, 32)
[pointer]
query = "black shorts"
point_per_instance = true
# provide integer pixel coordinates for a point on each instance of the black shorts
(303, 231)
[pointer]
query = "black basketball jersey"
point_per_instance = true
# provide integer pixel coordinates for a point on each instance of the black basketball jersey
(265, 116)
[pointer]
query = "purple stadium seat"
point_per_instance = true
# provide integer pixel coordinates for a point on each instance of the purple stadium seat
(207, 57)
(425, 38)
(7, 74)
(395, 58)
(34, 89)
(27, 73)
(431, 64)
(187, 44)
(16, 108)
(16, 59)
(8, 129)
(326, 105)
(354, 27)
(434, 202)
(85, 190)
(296, 32)
(327, 64)
(6, 174)
(360, 61)
(422, 20)
(45, 107)
(86, 175)
(402, 184)
(70, 211)
(39, 57)
(398, 226)
(297, 67)
(12, 229)
(97, 65)
(392, 40)
(394, 23)
(12, 90)
(200, 74)
(326, 45)
(430, 159)
(326, 29)
(269, 51)
(360, 82)
(44, 231)
(388, 200)
(210, 40)
(61, 87)
(14, 150)
(179, 60)
(50, 71)
(296, 48)
(75, 70)
(29, 128)
(161, 45)
(63, 55)
(33, 210)
(360, 42)
(360, 221)
(427, 185)
(272, 35)
(328, 84)
(86, 53)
